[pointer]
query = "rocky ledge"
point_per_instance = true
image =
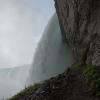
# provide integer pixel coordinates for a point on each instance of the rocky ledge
(70, 85)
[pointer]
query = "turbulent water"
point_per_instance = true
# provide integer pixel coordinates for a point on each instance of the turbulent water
(12, 80)
(52, 56)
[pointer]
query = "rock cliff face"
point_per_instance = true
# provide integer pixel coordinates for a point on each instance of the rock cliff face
(80, 25)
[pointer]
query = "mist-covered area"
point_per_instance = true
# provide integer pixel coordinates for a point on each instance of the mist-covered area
(52, 55)
(13, 80)
(38, 55)
(51, 58)
(22, 23)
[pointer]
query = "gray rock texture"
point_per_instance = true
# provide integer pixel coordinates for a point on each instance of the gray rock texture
(70, 85)
(80, 25)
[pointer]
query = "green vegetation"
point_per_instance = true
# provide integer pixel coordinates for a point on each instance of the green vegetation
(26, 92)
(76, 65)
(93, 79)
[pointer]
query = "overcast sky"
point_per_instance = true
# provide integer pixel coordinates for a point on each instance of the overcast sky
(21, 24)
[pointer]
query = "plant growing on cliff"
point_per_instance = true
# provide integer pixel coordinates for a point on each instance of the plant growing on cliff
(26, 92)
(93, 79)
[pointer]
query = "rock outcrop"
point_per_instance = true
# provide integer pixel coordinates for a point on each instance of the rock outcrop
(70, 85)
(80, 25)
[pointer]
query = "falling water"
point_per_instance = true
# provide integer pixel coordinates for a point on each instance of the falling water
(12, 80)
(21, 23)
(52, 55)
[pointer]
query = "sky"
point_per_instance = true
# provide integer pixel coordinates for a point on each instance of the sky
(22, 23)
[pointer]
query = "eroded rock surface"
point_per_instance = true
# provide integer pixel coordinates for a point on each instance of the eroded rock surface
(80, 25)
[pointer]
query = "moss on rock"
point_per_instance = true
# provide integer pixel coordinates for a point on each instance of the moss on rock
(93, 79)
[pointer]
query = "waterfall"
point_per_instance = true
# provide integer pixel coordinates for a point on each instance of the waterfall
(52, 55)
(12, 80)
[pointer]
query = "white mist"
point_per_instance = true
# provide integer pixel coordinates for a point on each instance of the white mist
(52, 55)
